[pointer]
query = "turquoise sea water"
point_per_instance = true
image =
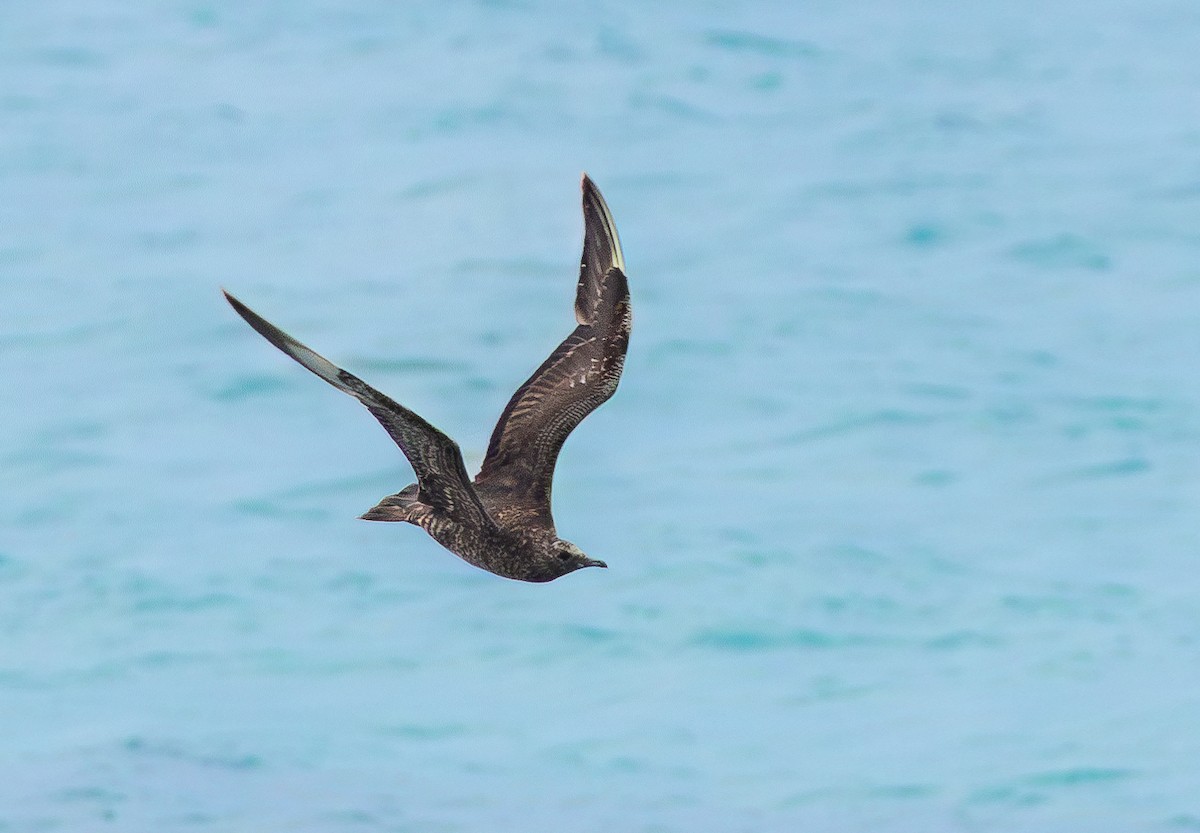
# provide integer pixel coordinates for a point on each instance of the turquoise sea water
(899, 493)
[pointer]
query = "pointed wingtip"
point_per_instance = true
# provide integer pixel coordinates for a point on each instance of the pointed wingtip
(233, 302)
(589, 189)
(594, 204)
(252, 318)
(298, 352)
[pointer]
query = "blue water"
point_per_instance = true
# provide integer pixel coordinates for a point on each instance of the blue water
(900, 493)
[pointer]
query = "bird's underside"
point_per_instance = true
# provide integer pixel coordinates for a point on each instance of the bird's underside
(502, 520)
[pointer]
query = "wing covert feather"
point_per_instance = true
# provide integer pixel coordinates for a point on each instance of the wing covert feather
(579, 376)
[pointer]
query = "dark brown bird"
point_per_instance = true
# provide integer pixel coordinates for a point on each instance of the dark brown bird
(502, 521)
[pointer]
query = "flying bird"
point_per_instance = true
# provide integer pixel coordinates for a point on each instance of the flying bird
(501, 521)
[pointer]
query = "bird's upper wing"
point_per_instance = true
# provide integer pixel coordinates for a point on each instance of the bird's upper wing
(601, 251)
(435, 458)
(580, 374)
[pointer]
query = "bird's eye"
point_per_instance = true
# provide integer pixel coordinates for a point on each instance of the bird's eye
(564, 556)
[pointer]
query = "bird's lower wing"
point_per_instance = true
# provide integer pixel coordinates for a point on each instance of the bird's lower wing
(435, 458)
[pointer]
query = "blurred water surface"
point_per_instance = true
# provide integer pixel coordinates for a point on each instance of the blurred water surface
(899, 492)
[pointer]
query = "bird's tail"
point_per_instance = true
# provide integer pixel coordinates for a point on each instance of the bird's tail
(398, 507)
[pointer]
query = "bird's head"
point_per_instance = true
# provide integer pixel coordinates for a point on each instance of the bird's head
(563, 557)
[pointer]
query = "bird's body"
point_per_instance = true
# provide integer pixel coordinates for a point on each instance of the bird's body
(501, 521)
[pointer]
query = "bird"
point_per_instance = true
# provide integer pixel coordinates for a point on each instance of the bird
(501, 521)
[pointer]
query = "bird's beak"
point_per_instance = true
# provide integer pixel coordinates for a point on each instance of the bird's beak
(592, 562)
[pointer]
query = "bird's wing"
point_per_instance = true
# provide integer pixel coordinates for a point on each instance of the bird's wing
(436, 459)
(601, 251)
(578, 377)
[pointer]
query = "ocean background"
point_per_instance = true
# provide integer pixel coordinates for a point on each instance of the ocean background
(900, 492)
